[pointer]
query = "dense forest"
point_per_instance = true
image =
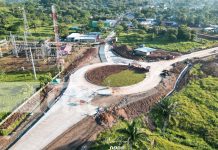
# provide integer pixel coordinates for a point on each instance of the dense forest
(192, 13)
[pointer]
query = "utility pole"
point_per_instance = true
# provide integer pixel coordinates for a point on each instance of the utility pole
(26, 28)
(32, 61)
(15, 52)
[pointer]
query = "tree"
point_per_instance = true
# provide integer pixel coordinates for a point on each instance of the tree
(119, 29)
(63, 28)
(184, 33)
(172, 34)
(133, 134)
(45, 79)
(100, 25)
(165, 113)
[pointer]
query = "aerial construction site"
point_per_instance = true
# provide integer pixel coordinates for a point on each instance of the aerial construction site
(95, 79)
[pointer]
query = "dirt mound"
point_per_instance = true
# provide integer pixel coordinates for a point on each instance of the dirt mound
(96, 76)
(162, 55)
(125, 51)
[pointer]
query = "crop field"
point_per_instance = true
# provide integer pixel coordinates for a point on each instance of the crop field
(12, 94)
(135, 39)
(123, 78)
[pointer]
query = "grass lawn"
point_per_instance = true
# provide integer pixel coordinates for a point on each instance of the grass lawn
(12, 94)
(135, 39)
(15, 88)
(123, 78)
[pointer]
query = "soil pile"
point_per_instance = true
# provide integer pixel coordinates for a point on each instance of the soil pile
(96, 76)
(125, 51)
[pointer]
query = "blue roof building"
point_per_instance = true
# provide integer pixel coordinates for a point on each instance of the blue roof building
(144, 51)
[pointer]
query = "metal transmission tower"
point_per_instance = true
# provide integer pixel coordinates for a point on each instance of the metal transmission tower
(26, 28)
(55, 23)
(13, 42)
(59, 61)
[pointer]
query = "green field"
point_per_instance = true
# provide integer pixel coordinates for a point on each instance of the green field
(123, 78)
(135, 39)
(12, 94)
(193, 125)
(15, 88)
(20, 77)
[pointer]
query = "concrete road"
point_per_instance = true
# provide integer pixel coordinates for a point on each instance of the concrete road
(68, 111)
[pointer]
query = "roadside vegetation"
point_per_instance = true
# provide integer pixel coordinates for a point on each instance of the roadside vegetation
(136, 38)
(186, 120)
(123, 78)
(21, 76)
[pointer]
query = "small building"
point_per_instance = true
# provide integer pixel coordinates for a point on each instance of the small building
(85, 39)
(91, 37)
(170, 23)
(111, 23)
(212, 29)
(143, 51)
(73, 36)
(130, 16)
(148, 22)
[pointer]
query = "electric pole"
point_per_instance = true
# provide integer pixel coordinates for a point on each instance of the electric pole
(33, 65)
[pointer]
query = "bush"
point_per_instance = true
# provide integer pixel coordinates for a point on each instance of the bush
(45, 79)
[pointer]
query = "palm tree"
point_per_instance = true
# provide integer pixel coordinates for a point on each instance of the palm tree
(167, 109)
(133, 134)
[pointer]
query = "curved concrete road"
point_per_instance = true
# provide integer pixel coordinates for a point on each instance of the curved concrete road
(67, 111)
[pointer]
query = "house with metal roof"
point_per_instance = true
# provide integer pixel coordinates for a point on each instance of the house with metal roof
(91, 37)
(143, 51)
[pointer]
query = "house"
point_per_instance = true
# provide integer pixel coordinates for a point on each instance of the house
(143, 51)
(212, 29)
(86, 39)
(148, 22)
(209, 29)
(130, 16)
(72, 36)
(141, 19)
(169, 23)
(111, 23)
(91, 37)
